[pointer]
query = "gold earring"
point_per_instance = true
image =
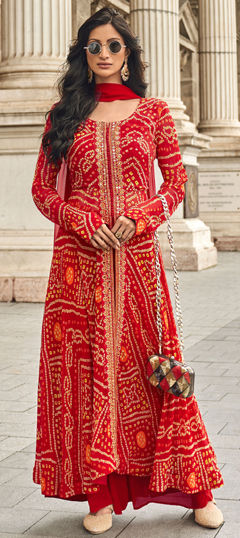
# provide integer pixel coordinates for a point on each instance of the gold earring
(125, 71)
(90, 75)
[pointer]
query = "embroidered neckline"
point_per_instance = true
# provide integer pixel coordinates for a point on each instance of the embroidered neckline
(118, 121)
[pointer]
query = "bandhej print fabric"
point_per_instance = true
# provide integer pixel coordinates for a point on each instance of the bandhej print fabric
(97, 413)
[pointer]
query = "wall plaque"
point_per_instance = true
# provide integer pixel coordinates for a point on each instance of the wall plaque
(219, 191)
(191, 192)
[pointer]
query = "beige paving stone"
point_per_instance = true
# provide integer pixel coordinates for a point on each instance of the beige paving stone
(16, 406)
(10, 384)
(11, 495)
(31, 398)
(17, 429)
(231, 401)
(10, 381)
(8, 475)
(4, 535)
(212, 393)
(24, 369)
(232, 428)
(201, 368)
(13, 418)
(227, 403)
(214, 426)
(6, 364)
(216, 358)
(18, 460)
(4, 455)
(230, 529)
(30, 448)
(230, 510)
(228, 455)
(230, 489)
(37, 500)
(23, 477)
(67, 524)
(229, 418)
(17, 393)
(11, 444)
(229, 383)
(164, 523)
(226, 441)
(10, 522)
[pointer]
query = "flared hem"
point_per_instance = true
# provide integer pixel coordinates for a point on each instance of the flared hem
(120, 489)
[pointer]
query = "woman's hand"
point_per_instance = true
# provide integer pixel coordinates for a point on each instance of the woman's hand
(126, 226)
(104, 238)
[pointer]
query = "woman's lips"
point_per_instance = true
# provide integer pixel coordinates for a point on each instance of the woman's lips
(104, 65)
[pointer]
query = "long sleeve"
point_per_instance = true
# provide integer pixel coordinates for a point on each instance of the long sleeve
(149, 214)
(51, 205)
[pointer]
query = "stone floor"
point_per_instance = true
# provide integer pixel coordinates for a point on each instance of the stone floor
(211, 313)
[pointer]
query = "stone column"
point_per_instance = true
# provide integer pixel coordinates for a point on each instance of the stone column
(34, 44)
(219, 176)
(156, 22)
(35, 39)
(80, 12)
(218, 68)
(238, 51)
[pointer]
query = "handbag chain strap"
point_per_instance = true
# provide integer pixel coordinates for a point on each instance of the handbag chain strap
(175, 278)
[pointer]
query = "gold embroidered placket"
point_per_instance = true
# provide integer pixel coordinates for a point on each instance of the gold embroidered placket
(112, 205)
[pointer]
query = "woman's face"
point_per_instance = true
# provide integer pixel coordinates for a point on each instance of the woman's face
(104, 34)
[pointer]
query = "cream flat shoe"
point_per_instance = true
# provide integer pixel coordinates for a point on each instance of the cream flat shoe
(210, 516)
(99, 523)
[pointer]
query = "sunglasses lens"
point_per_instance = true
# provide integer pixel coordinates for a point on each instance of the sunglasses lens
(94, 47)
(115, 46)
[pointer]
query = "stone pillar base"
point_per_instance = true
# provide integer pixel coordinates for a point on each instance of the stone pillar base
(26, 289)
(25, 258)
(197, 251)
(230, 243)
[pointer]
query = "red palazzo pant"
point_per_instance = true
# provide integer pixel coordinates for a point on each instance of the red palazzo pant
(119, 489)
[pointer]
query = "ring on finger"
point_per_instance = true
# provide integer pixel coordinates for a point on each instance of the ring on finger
(118, 235)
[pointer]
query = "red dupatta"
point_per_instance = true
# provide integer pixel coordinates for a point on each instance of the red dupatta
(105, 91)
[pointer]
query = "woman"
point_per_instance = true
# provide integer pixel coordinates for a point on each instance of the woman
(104, 434)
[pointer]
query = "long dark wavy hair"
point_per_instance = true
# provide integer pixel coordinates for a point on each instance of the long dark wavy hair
(77, 99)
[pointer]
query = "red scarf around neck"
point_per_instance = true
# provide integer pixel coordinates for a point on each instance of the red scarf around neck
(110, 91)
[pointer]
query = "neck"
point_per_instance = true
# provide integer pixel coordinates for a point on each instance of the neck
(110, 80)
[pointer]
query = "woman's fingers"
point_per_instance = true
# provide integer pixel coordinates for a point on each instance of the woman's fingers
(96, 244)
(105, 238)
(126, 227)
(125, 237)
(111, 239)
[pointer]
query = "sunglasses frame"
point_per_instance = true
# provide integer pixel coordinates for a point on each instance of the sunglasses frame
(101, 46)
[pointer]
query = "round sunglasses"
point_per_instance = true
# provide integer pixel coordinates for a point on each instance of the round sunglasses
(114, 47)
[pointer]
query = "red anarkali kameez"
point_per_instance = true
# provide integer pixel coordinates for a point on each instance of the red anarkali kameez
(101, 427)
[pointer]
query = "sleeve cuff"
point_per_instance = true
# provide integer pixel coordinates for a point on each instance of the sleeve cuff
(140, 217)
(87, 225)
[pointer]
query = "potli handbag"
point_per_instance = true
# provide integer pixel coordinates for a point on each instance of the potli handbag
(167, 373)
